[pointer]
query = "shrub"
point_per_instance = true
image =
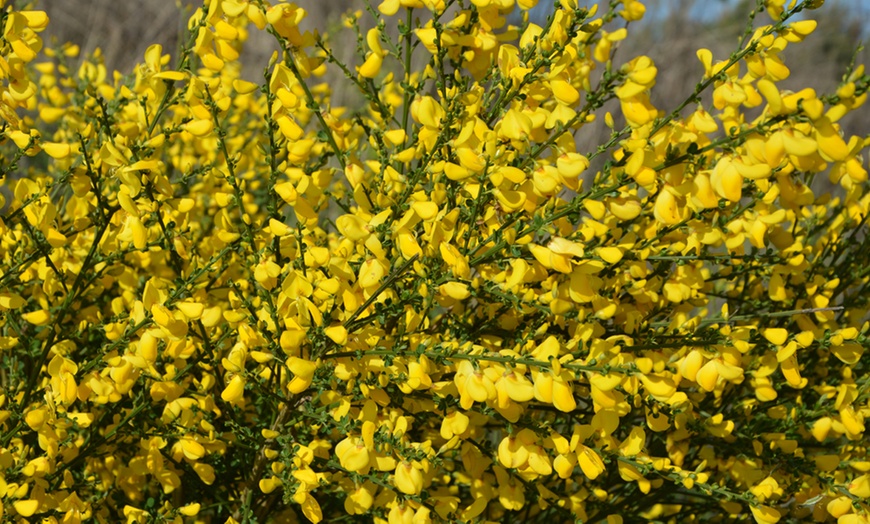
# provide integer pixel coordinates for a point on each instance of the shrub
(229, 301)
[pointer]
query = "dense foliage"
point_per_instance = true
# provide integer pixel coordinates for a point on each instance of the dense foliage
(226, 300)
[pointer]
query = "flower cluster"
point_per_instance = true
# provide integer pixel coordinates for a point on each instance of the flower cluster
(226, 300)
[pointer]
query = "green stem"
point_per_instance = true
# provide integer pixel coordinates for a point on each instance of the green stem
(313, 105)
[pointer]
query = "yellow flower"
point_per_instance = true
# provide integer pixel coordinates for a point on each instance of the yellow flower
(303, 374)
(408, 478)
(360, 500)
(473, 384)
(353, 455)
(765, 514)
(590, 462)
(511, 492)
(235, 390)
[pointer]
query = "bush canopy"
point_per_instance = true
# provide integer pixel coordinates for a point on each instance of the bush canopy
(228, 300)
